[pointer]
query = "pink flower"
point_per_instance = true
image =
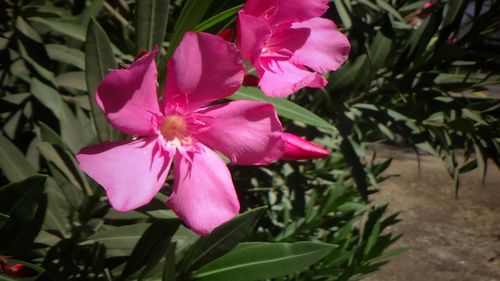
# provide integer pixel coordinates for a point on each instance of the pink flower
(297, 148)
(289, 44)
(183, 129)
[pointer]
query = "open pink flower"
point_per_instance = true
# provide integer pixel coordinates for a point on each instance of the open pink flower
(183, 130)
(289, 44)
(297, 148)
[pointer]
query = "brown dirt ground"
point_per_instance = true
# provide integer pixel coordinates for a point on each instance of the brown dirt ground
(450, 239)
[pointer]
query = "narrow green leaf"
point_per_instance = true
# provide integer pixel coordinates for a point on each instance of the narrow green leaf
(48, 96)
(13, 163)
(379, 51)
(71, 129)
(390, 9)
(151, 23)
(90, 12)
(344, 15)
(452, 11)
(221, 240)
(169, 263)
(119, 241)
(62, 53)
(151, 247)
(25, 202)
(190, 16)
(265, 261)
(25, 54)
(218, 18)
(65, 163)
(72, 80)
(57, 206)
(99, 60)
(70, 29)
(3, 219)
(284, 107)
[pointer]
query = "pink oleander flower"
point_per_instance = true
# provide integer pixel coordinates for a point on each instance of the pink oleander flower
(289, 44)
(297, 148)
(185, 129)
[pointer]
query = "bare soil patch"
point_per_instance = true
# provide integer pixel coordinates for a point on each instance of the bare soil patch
(450, 239)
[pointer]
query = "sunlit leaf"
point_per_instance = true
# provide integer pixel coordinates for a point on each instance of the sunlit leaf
(284, 108)
(264, 261)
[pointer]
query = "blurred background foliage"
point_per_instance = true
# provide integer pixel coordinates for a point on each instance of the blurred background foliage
(418, 77)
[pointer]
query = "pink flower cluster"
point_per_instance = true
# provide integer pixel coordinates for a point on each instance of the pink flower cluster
(287, 43)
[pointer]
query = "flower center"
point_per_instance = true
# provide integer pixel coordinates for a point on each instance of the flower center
(174, 127)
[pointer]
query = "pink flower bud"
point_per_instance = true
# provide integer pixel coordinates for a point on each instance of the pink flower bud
(297, 148)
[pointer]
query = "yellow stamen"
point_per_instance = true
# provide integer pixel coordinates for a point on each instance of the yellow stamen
(174, 127)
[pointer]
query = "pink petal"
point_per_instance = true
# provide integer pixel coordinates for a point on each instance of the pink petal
(297, 148)
(203, 68)
(281, 78)
(283, 11)
(324, 48)
(253, 34)
(247, 132)
(203, 195)
(128, 97)
(131, 172)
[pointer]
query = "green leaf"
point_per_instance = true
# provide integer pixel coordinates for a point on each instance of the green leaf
(46, 134)
(70, 29)
(452, 11)
(26, 29)
(284, 107)
(379, 51)
(264, 261)
(90, 12)
(218, 18)
(190, 16)
(57, 210)
(344, 15)
(169, 263)
(71, 129)
(62, 53)
(3, 219)
(119, 241)
(48, 96)
(99, 60)
(14, 164)
(350, 77)
(221, 240)
(151, 247)
(151, 23)
(25, 202)
(390, 9)
(41, 70)
(72, 80)
(66, 163)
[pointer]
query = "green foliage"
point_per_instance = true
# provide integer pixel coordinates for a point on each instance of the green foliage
(418, 77)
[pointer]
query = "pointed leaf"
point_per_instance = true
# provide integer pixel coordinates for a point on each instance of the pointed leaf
(99, 60)
(218, 18)
(222, 239)
(264, 261)
(13, 163)
(284, 107)
(151, 23)
(151, 247)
